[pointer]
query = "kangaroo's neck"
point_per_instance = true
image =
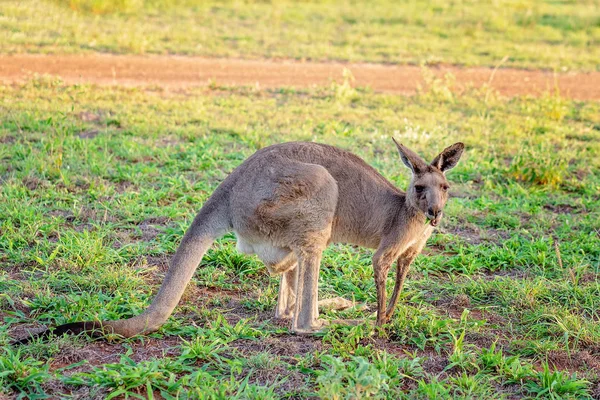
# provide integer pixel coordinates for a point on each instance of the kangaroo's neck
(411, 207)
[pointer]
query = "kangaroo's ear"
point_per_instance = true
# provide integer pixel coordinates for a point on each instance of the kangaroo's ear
(410, 158)
(448, 158)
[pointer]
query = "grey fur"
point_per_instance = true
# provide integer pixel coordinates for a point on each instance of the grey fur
(286, 203)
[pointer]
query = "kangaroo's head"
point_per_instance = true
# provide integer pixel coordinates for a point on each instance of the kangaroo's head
(428, 189)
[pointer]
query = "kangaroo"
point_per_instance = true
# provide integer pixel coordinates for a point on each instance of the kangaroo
(286, 203)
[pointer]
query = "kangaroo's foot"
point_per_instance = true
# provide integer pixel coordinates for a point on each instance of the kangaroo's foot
(284, 311)
(320, 325)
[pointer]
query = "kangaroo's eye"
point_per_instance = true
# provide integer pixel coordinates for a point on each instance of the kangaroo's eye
(419, 188)
(445, 188)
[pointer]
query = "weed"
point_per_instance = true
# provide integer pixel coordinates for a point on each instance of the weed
(344, 92)
(538, 165)
(346, 340)
(515, 370)
(558, 385)
(202, 349)
(355, 379)
(470, 386)
(23, 374)
(461, 357)
(433, 389)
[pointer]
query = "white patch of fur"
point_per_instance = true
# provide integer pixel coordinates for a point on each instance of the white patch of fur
(270, 255)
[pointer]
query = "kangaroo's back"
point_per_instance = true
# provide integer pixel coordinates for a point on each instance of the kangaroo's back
(345, 167)
(366, 200)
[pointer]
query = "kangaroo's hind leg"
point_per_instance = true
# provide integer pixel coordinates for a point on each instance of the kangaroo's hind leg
(295, 211)
(309, 234)
(286, 302)
(306, 314)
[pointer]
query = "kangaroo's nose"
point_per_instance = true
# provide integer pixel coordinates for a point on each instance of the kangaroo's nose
(433, 211)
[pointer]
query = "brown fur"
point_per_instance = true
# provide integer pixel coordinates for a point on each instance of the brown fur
(286, 203)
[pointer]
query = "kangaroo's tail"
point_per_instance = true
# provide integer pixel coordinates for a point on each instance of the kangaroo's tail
(211, 223)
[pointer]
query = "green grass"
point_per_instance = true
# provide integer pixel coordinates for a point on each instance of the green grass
(548, 34)
(99, 184)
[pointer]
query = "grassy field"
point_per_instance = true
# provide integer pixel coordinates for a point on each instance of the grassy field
(98, 186)
(548, 34)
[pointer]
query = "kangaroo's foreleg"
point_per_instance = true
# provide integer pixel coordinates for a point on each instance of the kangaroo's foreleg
(402, 267)
(382, 261)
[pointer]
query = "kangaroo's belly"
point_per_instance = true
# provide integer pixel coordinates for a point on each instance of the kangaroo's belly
(355, 239)
(276, 259)
(354, 232)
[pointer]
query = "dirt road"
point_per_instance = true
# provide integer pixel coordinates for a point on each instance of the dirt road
(181, 72)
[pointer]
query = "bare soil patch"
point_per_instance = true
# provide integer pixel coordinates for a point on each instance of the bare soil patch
(576, 361)
(179, 72)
